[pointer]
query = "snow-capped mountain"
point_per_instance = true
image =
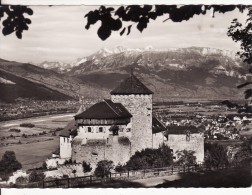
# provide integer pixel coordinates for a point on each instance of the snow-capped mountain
(57, 66)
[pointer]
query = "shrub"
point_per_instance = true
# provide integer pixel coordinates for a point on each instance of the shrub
(44, 165)
(119, 168)
(22, 180)
(186, 157)
(24, 135)
(151, 158)
(103, 168)
(124, 140)
(15, 130)
(215, 155)
(36, 176)
(86, 167)
(29, 125)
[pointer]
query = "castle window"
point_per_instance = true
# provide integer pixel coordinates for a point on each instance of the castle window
(188, 135)
(100, 129)
(94, 154)
(89, 129)
(128, 129)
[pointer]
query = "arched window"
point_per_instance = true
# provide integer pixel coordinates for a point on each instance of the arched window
(100, 129)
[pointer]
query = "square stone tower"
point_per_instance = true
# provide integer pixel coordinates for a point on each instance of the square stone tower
(137, 99)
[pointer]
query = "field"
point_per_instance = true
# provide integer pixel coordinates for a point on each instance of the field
(32, 150)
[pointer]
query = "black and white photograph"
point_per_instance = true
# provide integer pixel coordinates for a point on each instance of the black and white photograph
(126, 96)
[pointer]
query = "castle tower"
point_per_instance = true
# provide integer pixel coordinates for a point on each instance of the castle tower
(137, 99)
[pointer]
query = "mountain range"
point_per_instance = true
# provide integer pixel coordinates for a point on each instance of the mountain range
(174, 73)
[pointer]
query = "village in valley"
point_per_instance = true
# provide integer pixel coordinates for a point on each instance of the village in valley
(171, 116)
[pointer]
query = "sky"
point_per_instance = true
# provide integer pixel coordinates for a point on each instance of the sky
(58, 33)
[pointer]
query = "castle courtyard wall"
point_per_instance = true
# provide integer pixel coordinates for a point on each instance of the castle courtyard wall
(178, 142)
(107, 149)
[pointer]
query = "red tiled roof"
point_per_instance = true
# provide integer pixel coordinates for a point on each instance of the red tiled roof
(157, 126)
(105, 110)
(131, 85)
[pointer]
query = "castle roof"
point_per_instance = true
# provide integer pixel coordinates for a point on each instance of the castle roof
(182, 129)
(157, 126)
(131, 85)
(69, 129)
(105, 110)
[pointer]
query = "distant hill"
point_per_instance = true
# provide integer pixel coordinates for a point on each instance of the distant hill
(13, 87)
(69, 87)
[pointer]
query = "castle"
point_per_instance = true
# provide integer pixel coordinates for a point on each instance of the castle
(116, 128)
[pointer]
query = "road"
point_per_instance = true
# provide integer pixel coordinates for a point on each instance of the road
(154, 181)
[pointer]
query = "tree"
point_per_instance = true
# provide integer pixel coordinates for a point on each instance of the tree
(103, 168)
(86, 167)
(242, 33)
(36, 176)
(243, 155)
(141, 15)
(215, 155)
(186, 157)
(9, 164)
(151, 158)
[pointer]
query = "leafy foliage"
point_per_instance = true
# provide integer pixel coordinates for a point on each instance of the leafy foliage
(103, 168)
(86, 167)
(215, 155)
(151, 158)
(124, 140)
(141, 15)
(22, 180)
(186, 157)
(244, 153)
(36, 176)
(242, 34)
(120, 168)
(15, 21)
(9, 164)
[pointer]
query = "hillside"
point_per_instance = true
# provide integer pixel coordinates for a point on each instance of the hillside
(13, 87)
(63, 84)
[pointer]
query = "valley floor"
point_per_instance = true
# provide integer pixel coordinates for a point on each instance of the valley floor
(31, 151)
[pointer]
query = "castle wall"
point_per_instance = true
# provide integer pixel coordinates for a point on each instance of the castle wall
(178, 142)
(54, 162)
(65, 147)
(96, 134)
(140, 106)
(110, 149)
(157, 139)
